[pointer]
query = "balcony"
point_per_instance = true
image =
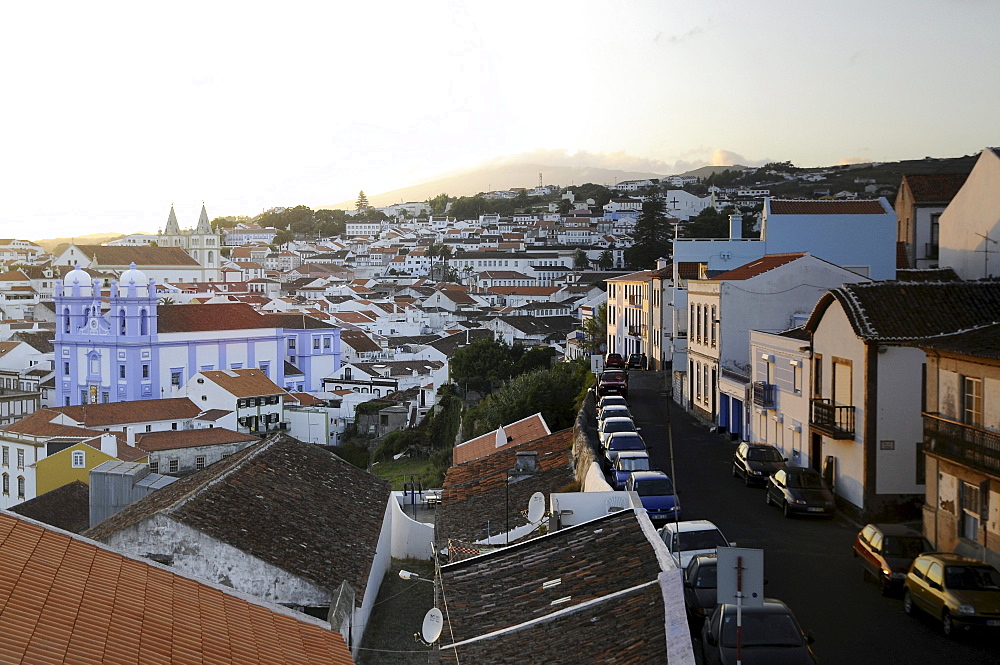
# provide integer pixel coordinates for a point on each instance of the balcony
(968, 445)
(763, 394)
(635, 301)
(636, 331)
(834, 421)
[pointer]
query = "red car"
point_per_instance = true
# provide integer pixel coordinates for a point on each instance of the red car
(614, 382)
(614, 361)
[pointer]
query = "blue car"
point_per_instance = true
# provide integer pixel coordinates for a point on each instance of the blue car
(657, 493)
(627, 462)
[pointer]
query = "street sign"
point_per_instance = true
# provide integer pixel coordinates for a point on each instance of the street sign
(596, 364)
(740, 572)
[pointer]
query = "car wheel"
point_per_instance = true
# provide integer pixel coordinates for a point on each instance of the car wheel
(947, 626)
(907, 602)
(786, 509)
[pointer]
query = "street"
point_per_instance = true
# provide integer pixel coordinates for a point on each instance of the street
(808, 563)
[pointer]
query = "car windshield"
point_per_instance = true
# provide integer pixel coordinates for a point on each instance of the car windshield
(708, 539)
(612, 376)
(759, 630)
(808, 481)
(706, 577)
(619, 426)
(654, 487)
(972, 578)
(764, 455)
(614, 412)
(626, 443)
(633, 463)
(904, 547)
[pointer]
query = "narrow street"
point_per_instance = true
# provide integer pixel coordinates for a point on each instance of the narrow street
(808, 563)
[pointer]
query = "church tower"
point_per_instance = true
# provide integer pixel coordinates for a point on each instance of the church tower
(203, 243)
(172, 236)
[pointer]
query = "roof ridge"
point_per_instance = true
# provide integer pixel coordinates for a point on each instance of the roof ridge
(198, 490)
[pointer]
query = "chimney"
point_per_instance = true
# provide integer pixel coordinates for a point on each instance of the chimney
(735, 227)
(661, 263)
(130, 436)
(109, 445)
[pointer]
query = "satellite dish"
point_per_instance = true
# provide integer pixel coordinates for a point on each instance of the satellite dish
(433, 624)
(536, 507)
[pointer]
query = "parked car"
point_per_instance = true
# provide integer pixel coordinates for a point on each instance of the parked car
(962, 592)
(613, 382)
(687, 539)
(636, 361)
(613, 411)
(770, 634)
(619, 442)
(886, 552)
(614, 361)
(657, 494)
(609, 426)
(625, 463)
(755, 462)
(799, 490)
(700, 588)
(610, 400)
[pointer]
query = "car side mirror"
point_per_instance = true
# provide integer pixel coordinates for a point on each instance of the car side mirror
(785, 460)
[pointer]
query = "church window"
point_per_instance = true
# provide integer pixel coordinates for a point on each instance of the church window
(143, 323)
(95, 364)
(66, 319)
(145, 371)
(121, 317)
(6, 484)
(175, 379)
(211, 257)
(66, 369)
(121, 371)
(20, 487)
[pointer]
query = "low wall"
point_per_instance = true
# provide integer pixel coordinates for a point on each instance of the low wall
(585, 443)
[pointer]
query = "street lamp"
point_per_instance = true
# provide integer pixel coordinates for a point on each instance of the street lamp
(407, 575)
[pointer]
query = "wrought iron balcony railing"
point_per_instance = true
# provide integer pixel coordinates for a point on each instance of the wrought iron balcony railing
(832, 420)
(972, 446)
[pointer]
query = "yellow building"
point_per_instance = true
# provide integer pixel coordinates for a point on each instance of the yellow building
(75, 461)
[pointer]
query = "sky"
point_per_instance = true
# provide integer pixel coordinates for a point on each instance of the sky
(113, 111)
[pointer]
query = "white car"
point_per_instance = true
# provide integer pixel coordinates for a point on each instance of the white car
(609, 426)
(613, 411)
(687, 539)
(609, 400)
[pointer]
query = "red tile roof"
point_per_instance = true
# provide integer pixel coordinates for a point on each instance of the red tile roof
(192, 438)
(760, 266)
(110, 256)
(120, 413)
(66, 599)
(526, 429)
(224, 316)
(243, 382)
(934, 187)
(806, 207)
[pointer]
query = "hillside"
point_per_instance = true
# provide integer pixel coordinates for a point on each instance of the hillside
(490, 178)
(53, 244)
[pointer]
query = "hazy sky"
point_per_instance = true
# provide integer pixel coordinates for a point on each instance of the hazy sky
(113, 111)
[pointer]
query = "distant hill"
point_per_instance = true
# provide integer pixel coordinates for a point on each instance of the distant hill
(500, 177)
(706, 171)
(56, 245)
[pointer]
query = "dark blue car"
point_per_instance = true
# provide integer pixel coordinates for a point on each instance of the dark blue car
(627, 462)
(656, 491)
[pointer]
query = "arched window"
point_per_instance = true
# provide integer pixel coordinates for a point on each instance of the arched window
(20, 487)
(143, 323)
(211, 257)
(121, 316)
(6, 484)
(66, 319)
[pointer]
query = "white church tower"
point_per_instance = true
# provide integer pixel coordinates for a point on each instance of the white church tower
(201, 243)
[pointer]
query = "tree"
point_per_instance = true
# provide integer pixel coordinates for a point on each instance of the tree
(362, 205)
(481, 365)
(439, 204)
(580, 260)
(606, 261)
(284, 236)
(595, 330)
(710, 223)
(565, 206)
(652, 235)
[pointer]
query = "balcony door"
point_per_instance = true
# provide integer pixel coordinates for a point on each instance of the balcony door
(842, 382)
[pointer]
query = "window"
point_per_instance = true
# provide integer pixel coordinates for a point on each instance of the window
(143, 323)
(121, 319)
(714, 324)
(973, 401)
(6, 484)
(79, 459)
(66, 369)
(20, 459)
(842, 383)
(175, 379)
(174, 465)
(145, 371)
(154, 467)
(326, 342)
(316, 342)
(291, 343)
(121, 371)
(199, 462)
(6, 456)
(173, 426)
(149, 428)
(817, 377)
(797, 378)
(970, 511)
(20, 487)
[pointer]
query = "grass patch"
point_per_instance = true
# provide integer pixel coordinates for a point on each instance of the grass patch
(399, 471)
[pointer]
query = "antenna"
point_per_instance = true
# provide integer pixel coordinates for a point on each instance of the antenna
(536, 507)
(433, 625)
(986, 252)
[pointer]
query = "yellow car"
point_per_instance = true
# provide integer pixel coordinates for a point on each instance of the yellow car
(962, 592)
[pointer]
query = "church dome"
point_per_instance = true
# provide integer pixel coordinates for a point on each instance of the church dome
(76, 276)
(133, 276)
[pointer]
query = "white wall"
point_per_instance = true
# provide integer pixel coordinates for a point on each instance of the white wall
(899, 406)
(974, 210)
(410, 539)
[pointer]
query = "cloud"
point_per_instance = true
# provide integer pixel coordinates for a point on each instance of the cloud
(613, 160)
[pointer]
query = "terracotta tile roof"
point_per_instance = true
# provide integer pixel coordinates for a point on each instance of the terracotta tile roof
(66, 507)
(523, 290)
(305, 399)
(13, 276)
(913, 311)
(121, 413)
(359, 341)
(191, 438)
(110, 256)
(213, 414)
(39, 340)
(808, 207)
(927, 275)
(592, 561)
(454, 341)
(39, 425)
(981, 343)
(330, 511)
(243, 382)
(291, 321)
(934, 187)
(758, 267)
(223, 316)
(641, 276)
(474, 496)
(69, 600)
(526, 429)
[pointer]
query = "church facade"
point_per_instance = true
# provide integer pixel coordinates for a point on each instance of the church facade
(137, 349)
(201, 242)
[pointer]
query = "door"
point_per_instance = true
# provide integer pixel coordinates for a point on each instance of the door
(816, 452)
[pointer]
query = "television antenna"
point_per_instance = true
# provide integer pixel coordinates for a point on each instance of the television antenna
(986, 252)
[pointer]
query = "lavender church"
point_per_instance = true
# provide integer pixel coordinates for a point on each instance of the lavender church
(138, 349)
